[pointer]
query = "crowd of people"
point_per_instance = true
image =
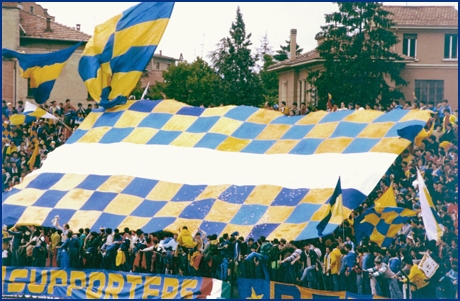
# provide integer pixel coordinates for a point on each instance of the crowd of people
(335, 262)
(26, 146)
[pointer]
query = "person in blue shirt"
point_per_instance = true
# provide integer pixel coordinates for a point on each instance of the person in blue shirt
(395, 262)
(350, 273)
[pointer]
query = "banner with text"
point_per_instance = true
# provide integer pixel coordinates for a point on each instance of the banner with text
(263, 289)
(96, 284)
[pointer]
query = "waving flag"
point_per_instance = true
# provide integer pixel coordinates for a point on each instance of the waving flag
(116, 56)
(31, 113)
(158, 165)
(42, 69)
(431, 219)
(381, 224)
(334, 211)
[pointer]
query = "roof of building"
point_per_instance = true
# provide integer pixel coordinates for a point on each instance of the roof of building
(164, 57)
(431, 16)
(35, 27)
(421, 16)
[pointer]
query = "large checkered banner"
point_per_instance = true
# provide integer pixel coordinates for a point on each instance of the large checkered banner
(161, 165)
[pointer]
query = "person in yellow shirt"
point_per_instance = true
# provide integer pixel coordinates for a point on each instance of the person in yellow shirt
(336, 256)
(12, 148)
(448, 118)
(417, 278)
(55, 240)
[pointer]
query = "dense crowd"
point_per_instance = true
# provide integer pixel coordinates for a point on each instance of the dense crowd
(20, 141)
(335, 262)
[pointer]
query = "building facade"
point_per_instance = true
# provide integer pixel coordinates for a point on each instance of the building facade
(27, 27)
(428, 42)
(154, 71)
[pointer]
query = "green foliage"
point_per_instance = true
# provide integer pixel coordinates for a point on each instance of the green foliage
(194, 84)
(284, 52)
(234, 64)
(269, 81)
(358, 57)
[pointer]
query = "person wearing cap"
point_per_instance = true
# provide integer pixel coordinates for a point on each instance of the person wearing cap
(386, 278)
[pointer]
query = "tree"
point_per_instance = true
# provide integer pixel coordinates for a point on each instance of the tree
(234, 64)
(194, 83)
(358, 62)
(269, 81)
(285, 51)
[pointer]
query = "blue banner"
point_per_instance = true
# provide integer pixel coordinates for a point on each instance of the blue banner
(96, 284)
(263, 289)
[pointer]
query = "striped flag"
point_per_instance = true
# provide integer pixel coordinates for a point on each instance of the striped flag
(431, 219)
(42, 69)
(120, 49)
(31, 113)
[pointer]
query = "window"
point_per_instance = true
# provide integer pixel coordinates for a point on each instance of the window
(32, 9)
(30, 93)
(158, 66)
(450, 46)
(430, 90)
(410, 45)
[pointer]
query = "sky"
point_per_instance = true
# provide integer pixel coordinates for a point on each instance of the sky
(196, 27)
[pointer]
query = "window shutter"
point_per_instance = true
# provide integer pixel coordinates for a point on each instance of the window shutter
(454, 46)
(446, 46)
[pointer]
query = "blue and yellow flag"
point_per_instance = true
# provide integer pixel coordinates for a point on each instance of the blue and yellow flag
(335, 209)
(116, 56)
(31, 113)
(381, 224)
(42, 69)
(214, 169)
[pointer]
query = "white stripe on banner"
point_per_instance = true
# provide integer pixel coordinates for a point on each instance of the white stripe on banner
(216, 292)
(200, 166)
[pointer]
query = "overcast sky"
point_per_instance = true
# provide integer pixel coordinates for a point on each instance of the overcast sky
(196, 27)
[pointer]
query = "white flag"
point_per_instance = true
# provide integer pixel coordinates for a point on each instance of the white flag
(428, 211)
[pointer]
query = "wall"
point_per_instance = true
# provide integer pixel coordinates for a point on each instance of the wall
(449, 75)
(8, 80)
(10, 27)
(430, 44)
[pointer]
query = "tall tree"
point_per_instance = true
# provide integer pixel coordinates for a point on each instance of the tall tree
(235, 65)
(285, 52)
(194, 83)
(269, 81)
(358, 58)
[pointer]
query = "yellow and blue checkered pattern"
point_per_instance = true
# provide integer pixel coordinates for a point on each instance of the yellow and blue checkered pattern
(120, 201)
(249, 129)
(252, 210)
(381, 224)
(120, 49)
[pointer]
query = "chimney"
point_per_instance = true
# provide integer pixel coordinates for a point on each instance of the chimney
(160, 53)
(293, 44)
(78, 27)
(48, 24)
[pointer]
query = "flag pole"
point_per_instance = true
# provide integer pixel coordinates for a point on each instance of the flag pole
(145, 91)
